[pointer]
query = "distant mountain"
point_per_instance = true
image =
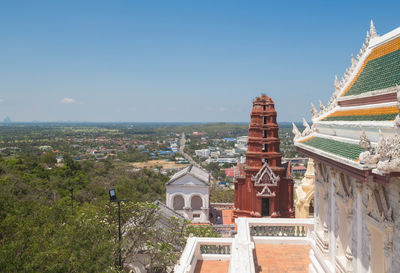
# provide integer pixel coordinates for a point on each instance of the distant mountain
(7, 120)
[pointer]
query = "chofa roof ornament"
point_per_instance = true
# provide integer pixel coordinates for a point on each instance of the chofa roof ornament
(349, 72)
(336, 83)
(296, 131)
(321, 106)
(372, 30)
(307, 129)
(314, 111)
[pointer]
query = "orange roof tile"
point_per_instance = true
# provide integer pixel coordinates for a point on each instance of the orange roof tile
(367, 111)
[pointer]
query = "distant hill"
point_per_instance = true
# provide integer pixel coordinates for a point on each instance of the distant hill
(286, 124)
(7, 120)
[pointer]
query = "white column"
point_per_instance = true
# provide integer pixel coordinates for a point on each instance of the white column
(187, 208)
(332, 239)
(359, 228)
(204, 201)
(317, 221)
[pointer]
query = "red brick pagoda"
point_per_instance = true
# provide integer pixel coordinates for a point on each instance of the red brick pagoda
(263, 187)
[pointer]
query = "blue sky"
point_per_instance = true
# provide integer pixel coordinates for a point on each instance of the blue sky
(176, 60)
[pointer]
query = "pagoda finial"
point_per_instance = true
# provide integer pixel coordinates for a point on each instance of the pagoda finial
(372, 30)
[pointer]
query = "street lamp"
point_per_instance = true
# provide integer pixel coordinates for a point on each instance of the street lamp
(113, 198)
(113, 195)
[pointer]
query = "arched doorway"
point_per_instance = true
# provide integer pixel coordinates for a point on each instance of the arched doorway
(178, 202)
(196, 202)
(265, 207)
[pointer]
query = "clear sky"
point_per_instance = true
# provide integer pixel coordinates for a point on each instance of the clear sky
(176, 60)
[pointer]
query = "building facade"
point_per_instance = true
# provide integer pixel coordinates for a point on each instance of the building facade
(355, 144)
(188, 193)
(262, 187)
(202, 153)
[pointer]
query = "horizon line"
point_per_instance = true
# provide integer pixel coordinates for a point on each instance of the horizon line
(191, 122)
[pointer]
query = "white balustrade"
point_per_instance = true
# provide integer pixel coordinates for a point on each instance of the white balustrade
(203, 248)
(280, 230)
(239, 250)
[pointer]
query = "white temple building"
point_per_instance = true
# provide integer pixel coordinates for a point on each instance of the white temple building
(354, 142)
(188, 194)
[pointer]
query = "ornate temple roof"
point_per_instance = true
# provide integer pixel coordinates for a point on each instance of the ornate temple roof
(362, 116)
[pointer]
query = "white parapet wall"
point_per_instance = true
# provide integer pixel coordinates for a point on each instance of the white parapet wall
(239, 250)
(242, 249)
(199, 248)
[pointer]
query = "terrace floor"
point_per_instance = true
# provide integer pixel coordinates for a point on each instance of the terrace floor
(212, 267)
(227, 218)
(282, 258)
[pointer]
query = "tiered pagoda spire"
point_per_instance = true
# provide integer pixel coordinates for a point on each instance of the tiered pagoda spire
(262, 188)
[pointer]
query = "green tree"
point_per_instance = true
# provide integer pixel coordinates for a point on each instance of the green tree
(162, 241)
(48, 158)
(221, 196)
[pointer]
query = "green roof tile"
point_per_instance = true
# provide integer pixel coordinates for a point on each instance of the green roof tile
(380, 73)
(347, 150)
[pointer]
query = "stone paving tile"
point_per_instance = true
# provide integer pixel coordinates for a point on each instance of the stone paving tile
(212, 267)
(282, 258)
(227, 218)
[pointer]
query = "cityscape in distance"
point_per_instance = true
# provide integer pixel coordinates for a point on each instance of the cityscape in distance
(209, 137)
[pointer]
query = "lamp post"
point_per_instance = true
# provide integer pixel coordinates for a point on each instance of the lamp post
(113, 198)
